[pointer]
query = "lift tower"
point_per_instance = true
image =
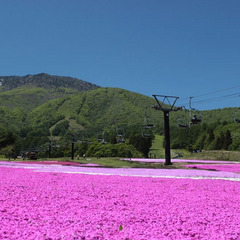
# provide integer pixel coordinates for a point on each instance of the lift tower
(166, 104)
(72, 152)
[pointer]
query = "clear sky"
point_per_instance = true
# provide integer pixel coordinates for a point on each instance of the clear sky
(168, 47)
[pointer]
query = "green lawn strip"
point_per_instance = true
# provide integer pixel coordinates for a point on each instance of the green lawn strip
(104, 162)
(157, 150)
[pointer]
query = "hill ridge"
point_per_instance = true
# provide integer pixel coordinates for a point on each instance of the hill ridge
(46, 81)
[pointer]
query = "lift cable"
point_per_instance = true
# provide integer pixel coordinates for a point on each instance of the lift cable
(213, 92)
(219, 98)
(210, 93)
(215, 98)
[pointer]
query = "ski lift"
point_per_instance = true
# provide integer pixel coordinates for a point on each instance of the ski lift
(182, 120)
(104, 142)
(236, 116)
(194, 115)
(148, 124)
(121, 140)
(120, 132)
(100, 137)
(120, 135)
(237, 120)
(146, 132)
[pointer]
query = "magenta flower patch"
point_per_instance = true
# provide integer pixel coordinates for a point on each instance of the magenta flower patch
(54, 205)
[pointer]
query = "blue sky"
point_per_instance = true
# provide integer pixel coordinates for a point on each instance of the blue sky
(174, 47)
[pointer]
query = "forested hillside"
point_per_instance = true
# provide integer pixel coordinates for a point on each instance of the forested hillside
(216, 136)
(34, 113)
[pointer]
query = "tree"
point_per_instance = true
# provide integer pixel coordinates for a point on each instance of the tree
(7, 138)
(220, 142)
(60, 128)
(141, 143)
(227, 140)
(211, 136)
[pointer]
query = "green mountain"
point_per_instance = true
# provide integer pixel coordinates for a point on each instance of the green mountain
(44, 81)
(27, 92)
(36, 108)
(96, 110)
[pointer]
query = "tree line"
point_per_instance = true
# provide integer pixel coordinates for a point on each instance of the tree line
(215, 136)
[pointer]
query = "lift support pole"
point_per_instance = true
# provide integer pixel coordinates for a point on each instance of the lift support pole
(49, 148)
(167, 138)
(72, 153)
(161, 106)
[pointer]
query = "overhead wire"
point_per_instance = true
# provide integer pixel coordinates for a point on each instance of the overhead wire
(214, 98)
(219, 98)
(230, 96)
(222, 90)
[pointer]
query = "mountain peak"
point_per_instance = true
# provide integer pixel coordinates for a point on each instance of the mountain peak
(44, 80)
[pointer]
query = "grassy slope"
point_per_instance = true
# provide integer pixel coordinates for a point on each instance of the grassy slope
(216, 155)
(107, 107)
(99, 108)
(158, 150)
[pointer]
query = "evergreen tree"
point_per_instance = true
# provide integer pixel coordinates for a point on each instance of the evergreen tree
(141, 143)
(220, 142)
(227, 140)
(211, 136)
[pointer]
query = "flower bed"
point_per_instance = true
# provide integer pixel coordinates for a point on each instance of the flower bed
(167, 173)
(50, 205)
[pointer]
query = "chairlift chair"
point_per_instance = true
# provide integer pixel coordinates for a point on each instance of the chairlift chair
(195, 120)
(147, 123)
(146, 132)
(100, 138)
(146, 135)
(120, 132)
(121, 140)
(182, 120)
(195, 117)
(236, 116)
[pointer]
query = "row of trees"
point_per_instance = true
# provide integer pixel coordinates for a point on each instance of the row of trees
(37, 139)
(134, 146)
(215, 136)
(221, 136)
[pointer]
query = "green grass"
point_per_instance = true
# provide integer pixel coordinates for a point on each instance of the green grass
(157, 149)
(105, 162)
(216, 155)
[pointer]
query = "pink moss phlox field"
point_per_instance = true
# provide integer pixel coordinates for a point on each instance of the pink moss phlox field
(219, 167)
(174, 160)
(45, 205)
(170, 173)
